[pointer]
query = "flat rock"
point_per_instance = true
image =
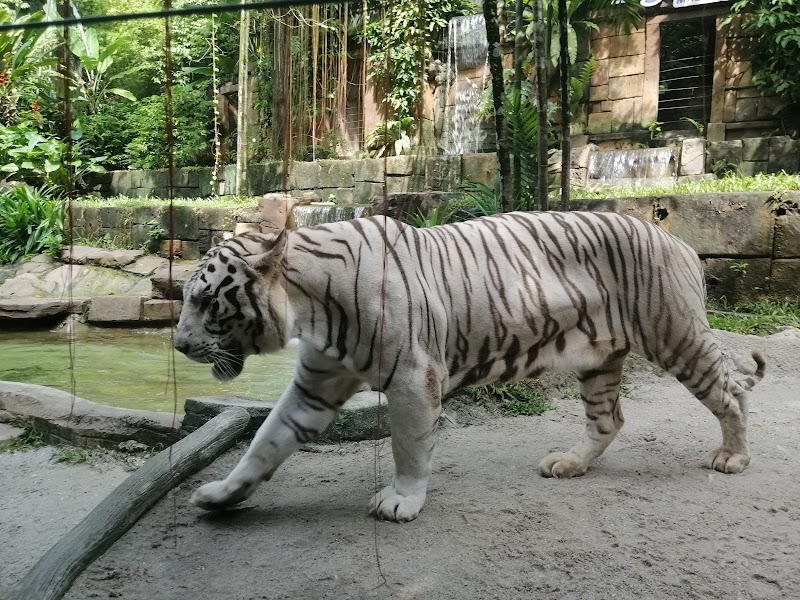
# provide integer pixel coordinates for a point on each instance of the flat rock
(170, 285)
(146, 265)
(35, 308)
(63, 418)
(87, 255)
(363, 417)
(8, 433)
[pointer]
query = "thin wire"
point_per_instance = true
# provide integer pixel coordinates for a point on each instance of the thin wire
(64, 70)
(170, 135)
(189, 11)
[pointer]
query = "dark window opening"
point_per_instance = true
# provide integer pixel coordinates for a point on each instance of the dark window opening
(686, 74)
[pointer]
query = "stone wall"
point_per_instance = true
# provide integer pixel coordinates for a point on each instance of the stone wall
(617, 84)
(342, 181)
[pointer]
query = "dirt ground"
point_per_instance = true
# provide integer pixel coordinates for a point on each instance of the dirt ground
(647, 521)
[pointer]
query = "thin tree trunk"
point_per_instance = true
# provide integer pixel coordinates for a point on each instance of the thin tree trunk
(519, 37)
(563, 22)
(541, 101)
(498, 96)
(244, 105)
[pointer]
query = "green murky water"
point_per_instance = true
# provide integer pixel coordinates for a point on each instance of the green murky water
(131, 368)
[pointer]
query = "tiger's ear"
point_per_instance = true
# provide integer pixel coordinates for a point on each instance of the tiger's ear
(265, 262)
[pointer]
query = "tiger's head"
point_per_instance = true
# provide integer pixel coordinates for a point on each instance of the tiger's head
(234, 304)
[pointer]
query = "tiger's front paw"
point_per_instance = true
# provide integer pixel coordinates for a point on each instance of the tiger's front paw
(562, 465)
(725, 461)
(388, 505)
(220, 494)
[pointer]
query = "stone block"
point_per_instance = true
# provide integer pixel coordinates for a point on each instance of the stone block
(170, 248)
(190, 250)
(120, 182)
(114, 309)
(400, 165)
(736, 280)
(625, 65)
(218, 219)
(693, 157)
(368, 170)
(304, 175)
(600, 73)
(625, 45)
(601, 47)
(336, 173)
(728, 224)
(784, 154)
(751, 168)
(263, 178)
(598, 93)
(274, 209)
(398, 184)
(153, 179)
(161, 310)
(715, 132)
(785, 280)
(481, 168)
(364, 191)
(722, 154)
(768, 107)
(241, 228)
(746, 109)
(630, 86)
(623, 114)
(443, 173)
(600, 122)
(755, 149)
(579, 156)
(787, 236)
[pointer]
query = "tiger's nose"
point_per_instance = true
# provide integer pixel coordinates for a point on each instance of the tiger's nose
(181, 345)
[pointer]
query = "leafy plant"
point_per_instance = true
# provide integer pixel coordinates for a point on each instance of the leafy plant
(31, 222)
(436, 217)
(740, 268)
(694, 123)
(27, 441)
(512, 399)
(392, 137)
(758, 317)
(775, 55)
(401, 42)
(38, 158)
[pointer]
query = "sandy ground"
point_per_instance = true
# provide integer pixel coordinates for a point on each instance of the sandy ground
(647, 521)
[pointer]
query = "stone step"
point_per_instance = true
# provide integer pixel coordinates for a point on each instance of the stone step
(363, 417)
(8, 433)
(170, 285)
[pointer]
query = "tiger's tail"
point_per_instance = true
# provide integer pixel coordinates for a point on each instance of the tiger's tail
(749, 381)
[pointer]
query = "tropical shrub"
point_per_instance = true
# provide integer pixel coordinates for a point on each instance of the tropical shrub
(31, 222)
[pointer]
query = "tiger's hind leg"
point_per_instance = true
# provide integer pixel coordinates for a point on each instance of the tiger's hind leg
(703, 372)
(600, 395)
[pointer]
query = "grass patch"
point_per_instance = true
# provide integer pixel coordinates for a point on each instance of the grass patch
(510, 399)
(210, 202)
(731, 183)
(28, 441)
(759, 317)
(72, 455)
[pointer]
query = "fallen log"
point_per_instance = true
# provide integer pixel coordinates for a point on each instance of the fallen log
(51, 577)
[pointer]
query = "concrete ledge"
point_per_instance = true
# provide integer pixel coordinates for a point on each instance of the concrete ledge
(37, 308)
(363, 417)
(60, 418)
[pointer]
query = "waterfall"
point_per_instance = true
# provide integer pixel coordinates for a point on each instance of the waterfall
(466, 51)
(307, 215)
(636, 167)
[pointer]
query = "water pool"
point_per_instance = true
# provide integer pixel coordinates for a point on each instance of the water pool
(130, 368)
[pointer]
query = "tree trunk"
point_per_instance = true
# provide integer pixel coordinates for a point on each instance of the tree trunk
(51, 577)
(498, 96)
(519, 37)
(563, 21)
(539, 31)
(244, 105)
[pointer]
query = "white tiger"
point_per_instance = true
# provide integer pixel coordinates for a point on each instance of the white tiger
(417, 313)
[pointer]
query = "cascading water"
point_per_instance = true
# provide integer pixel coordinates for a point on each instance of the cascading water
(636, 167)
(306, 215)
(466, 51)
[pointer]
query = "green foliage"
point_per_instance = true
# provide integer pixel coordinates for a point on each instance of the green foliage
(775, 27)
(758, 317)
(391, 137)
(401, 42)
(27, 441)
(732, 183)
(35, 157)
(740, 268)
(512, 399)
(192, 118)
(436, 217)
(31, 222)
